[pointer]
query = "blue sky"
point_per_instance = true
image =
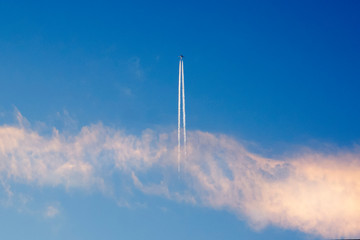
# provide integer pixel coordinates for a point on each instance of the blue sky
(279, 79)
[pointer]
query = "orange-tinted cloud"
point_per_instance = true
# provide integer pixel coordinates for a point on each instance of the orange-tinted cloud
(313, 192)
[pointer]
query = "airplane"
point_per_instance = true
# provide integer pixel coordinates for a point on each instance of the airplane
(181, 56)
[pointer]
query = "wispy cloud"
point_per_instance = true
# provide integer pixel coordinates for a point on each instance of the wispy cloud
(51, 211)
(136, 69)
(314, 192)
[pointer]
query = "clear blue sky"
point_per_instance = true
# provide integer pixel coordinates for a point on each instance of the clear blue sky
(274, 74)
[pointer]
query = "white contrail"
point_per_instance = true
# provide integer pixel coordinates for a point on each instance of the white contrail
(181, 91)
(179, 106)
(183, 100)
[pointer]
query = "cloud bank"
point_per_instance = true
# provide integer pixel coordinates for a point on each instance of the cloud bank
(314, 192)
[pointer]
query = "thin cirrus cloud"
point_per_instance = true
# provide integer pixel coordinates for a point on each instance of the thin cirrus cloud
(51, 211)
(314, 192)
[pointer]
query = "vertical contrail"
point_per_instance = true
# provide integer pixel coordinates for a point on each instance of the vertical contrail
(183, 101)
(179, 106)
(181, 90)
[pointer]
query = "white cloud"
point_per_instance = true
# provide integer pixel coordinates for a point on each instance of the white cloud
(51, 211)
(313, 192)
